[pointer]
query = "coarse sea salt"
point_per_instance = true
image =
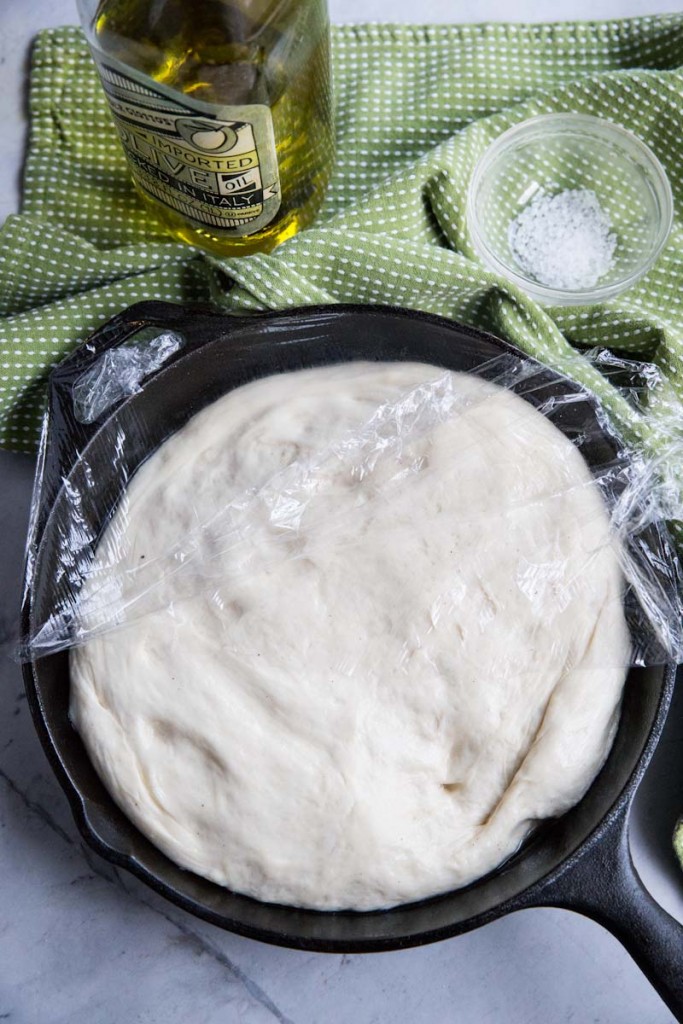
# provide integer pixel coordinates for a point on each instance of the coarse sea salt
(564, 241)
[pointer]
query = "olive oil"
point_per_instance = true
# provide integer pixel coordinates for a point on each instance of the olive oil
(223, 110)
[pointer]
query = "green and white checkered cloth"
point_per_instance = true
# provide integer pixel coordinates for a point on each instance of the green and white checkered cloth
(416, 107)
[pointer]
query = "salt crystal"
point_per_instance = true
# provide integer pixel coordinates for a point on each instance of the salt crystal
(564, 241)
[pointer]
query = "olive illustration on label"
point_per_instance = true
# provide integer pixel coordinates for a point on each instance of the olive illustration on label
(207, 135)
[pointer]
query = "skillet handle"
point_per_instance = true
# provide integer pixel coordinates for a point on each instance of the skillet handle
(603, 884)
(158, 315)
(67, 435)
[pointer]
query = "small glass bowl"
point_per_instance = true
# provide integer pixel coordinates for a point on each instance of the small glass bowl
(554, 152)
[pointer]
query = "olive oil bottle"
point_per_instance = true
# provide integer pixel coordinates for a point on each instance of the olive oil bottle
(223, 108)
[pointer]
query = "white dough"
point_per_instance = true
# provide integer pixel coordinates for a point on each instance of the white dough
(379, 710)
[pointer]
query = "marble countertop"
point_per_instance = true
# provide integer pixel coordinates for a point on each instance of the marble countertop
(82, 943)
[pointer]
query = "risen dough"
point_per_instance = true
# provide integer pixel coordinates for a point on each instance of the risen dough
(380, 712)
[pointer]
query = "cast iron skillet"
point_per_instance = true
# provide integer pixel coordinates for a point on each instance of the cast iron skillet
(580, 861)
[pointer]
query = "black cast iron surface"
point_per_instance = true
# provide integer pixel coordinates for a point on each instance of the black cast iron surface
(580, 861)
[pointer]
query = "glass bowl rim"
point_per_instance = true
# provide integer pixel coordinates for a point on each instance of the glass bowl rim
(601, 130)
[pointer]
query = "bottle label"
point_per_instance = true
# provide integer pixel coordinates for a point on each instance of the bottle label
(214, 165)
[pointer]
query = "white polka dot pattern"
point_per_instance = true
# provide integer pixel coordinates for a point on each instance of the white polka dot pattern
(416, 107)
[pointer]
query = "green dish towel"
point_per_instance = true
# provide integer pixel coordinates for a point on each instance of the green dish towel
(416, 107)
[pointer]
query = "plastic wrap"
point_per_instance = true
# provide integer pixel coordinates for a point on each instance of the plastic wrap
(118, 373)
(92, 585)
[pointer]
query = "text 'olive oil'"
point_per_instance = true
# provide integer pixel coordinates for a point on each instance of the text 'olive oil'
(223, 110)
